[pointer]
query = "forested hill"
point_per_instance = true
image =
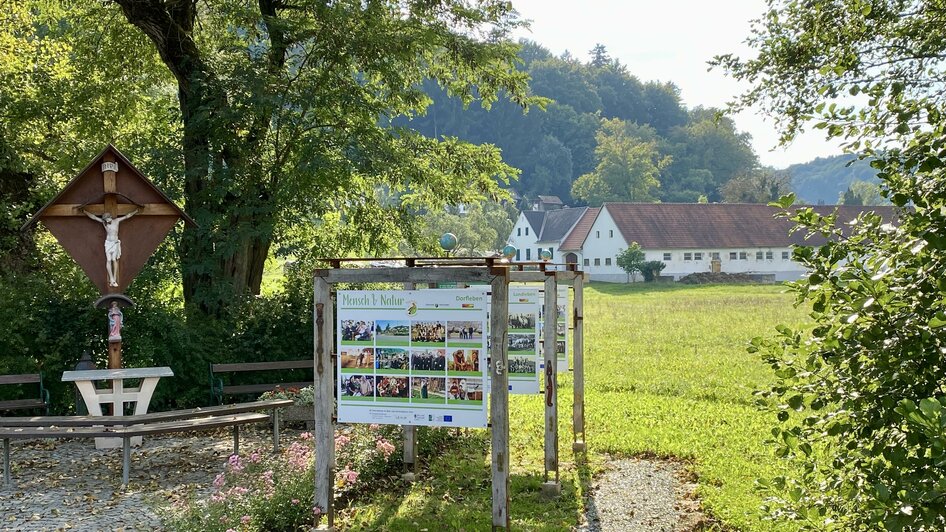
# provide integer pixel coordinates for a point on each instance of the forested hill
(824, 179)
(651, 146)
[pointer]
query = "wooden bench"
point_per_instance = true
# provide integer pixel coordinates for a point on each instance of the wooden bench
(41, 402)
(126, 427)
(219, 390)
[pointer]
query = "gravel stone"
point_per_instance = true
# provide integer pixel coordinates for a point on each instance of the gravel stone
(640, 495)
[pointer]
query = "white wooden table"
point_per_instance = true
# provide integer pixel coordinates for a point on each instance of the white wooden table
(117, 395)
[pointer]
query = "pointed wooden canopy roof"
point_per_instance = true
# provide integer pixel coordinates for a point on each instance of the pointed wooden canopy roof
(99, 189)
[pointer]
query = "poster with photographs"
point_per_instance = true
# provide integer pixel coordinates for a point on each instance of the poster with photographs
(412, 357)
(523, 334)
(561, 328)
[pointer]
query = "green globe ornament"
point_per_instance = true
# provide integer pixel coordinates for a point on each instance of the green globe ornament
(545, 255)
(449, 242)
(509, 252)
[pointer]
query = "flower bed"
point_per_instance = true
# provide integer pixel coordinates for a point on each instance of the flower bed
(260, 491)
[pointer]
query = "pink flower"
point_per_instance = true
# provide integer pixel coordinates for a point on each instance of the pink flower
(245, 519)
(294, 501)
(255, 458)
(374, 426)
(385, 447)
(305, 436)
(316, 511)
(341, 441)
(235, 463)
(231, 530)
(220, 480)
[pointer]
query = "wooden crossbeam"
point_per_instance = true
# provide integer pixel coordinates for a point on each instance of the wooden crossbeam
(75, 209)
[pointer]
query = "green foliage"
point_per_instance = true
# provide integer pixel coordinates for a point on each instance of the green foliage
(862, 193)
(824, 179)
(481, 229)
(631, 259)
(651, 270)
(627, 168)
(858, 394)
(761, 185)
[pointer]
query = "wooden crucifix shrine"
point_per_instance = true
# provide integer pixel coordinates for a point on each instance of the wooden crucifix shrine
(110, 218)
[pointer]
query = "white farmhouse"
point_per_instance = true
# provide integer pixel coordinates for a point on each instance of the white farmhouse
(687, 237)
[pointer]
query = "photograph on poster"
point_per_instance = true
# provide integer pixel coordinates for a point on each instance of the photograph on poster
(560, 329)
(560, 346)
(464, 333)
(428, 390)
(357, 332)
(428, 334)
(464, 362)
(357, 359)
(358, 387)
(428, 361)
(522, 344)
(391, 360)
(393, 333)
(521, 323)
(464, 391)
(392, 389)
(522, 365)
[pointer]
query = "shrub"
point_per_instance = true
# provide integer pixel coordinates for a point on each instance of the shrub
(651, 270)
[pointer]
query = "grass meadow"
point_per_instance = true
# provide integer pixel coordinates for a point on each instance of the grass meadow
(667, 375)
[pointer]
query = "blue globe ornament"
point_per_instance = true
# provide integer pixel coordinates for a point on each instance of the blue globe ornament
(509, 251)
(449, 242)
(545, 255)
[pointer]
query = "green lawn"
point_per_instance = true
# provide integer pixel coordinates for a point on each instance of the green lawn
(667, 374)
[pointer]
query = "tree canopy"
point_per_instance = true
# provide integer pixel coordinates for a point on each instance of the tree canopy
(867, 379)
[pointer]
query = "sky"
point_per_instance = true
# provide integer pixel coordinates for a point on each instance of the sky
(670, 40)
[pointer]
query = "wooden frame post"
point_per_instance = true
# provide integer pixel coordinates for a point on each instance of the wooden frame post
(578, 355)
(551, 486)
(324, 403)
(410, 439)
(499, 398)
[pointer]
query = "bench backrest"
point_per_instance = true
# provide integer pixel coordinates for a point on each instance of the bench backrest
(262, 366)
(26, 378)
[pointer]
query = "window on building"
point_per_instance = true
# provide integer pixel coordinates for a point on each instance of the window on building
(733, 255)
(768, 255)
(610, 233)
(786, 255)
(698, 255)
(743, 255)
(597, 262)
(528, 254)
(666, 256)
(607, 261)
(527, 231)
(688, 256)
(758, 255)
(597, 234)
(518, 231)
(587, 262)
(517, 255)
(714, 255)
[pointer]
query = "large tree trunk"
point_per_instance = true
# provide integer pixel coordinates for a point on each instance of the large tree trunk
(224, 257)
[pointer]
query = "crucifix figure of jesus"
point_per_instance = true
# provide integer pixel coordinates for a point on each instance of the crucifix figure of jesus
(113, 246)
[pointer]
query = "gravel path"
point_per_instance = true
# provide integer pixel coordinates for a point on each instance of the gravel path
(69, 484)
(638, 495)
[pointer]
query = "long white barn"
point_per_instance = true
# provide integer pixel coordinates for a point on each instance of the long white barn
(687, 237)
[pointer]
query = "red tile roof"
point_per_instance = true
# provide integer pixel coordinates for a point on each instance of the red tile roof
(576, 238)
(714, 225)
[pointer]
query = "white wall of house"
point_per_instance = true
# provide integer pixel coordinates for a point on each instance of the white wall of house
(598, 256)
(775, 261)
(523, 237)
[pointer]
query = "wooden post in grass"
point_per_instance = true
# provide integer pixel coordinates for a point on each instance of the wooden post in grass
(324, 403)
(410, 439)
(499, 397)
(578, 406)
(551, 486)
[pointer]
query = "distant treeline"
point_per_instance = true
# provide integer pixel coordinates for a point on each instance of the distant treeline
(554, 147)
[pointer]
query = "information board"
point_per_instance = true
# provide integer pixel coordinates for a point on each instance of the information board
(561, 329)
(523, 347)
(412, 357)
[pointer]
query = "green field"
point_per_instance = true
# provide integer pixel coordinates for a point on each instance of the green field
(667, 375)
